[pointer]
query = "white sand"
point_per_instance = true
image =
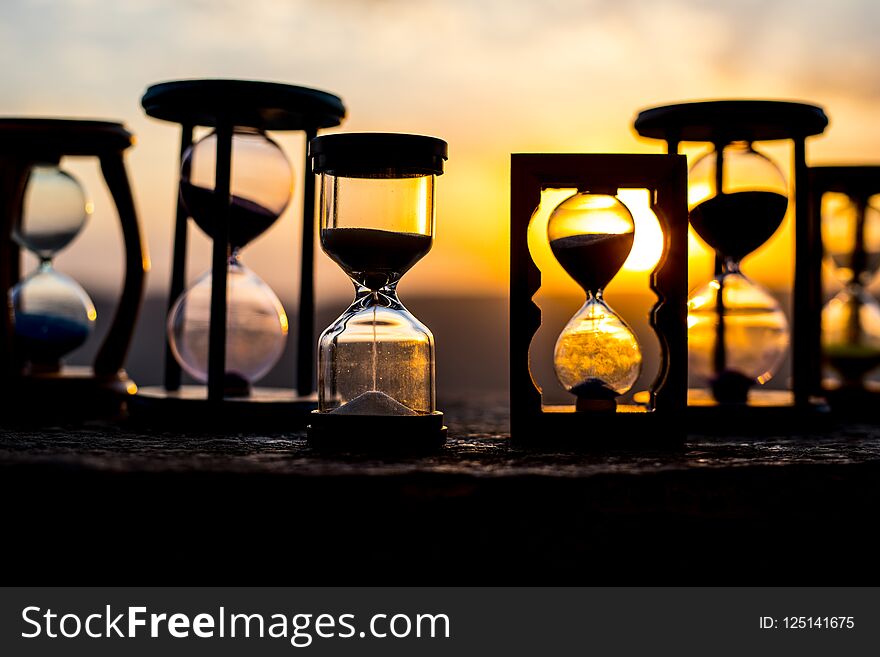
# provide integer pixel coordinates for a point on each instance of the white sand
(373, 402)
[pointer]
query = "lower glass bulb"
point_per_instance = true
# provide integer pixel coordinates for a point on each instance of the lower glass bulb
(256, 328)
(597, 355)
(53, 316)
(739, 346)
(851, 334)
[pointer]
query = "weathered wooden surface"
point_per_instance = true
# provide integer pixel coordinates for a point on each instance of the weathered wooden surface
(131, 505)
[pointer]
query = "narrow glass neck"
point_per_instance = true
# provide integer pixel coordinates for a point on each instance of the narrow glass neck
(385, 297)
(729, 266)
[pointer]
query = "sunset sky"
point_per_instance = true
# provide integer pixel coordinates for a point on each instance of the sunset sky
(490, 77)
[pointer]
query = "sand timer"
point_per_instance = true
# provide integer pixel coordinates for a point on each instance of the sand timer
(228, 329)
(847, 199)
(597, 356)
(376, 362)
(256, 324)
(53, 313)
(44, 208)
(738, 334)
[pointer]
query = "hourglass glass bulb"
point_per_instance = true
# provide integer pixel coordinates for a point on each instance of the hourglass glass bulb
(256, 328)
(53, 316)
(260, 186)
(597, 356)
(55, 211)
(739, 346)
(748, 207)
(851, 334)
(851, 236)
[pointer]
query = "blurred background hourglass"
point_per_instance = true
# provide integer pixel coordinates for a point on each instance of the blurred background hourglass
(43, 208)
(737, 332)
(53, 315)
(847, 201)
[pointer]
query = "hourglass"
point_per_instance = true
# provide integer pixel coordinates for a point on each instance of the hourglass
(597, 357)
(53, 314)
(376, 362)
(738, 334)
(228, 329)
(847, 200)
(256, 324)
(44, 209)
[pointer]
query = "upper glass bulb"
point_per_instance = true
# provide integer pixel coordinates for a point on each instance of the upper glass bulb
(851, 238)
(261, 184)
(55, 211)
(749, 206)
(597, 356)
(256, 329)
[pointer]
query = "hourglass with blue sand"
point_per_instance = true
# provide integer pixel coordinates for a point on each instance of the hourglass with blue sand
(53, 313)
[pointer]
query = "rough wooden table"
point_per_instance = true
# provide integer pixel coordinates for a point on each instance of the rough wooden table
(106, 504)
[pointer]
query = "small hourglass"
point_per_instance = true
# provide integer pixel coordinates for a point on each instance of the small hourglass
(256, 324)
(376, 362)
(848, 200)
(597, 357)
(53, 314)
(737, 332)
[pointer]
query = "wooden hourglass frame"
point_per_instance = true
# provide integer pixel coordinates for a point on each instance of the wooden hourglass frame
(858, 183)
(103, 389)
(660, 420)
(724, 122)
(225, 106)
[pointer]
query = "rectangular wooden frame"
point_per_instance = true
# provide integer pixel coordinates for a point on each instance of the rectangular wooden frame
(665, 177)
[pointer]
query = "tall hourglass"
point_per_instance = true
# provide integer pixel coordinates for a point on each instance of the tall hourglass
(597, 357)
(256, 324)
(851, 238)
(738, 336)
(376, 361)
(53, 314)
(737, 332)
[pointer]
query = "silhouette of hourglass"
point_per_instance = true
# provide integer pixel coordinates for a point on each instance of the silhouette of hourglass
(597, 356)
(737, 332)
(53, 313)
(43, 208)
(228, 329)
(376, 361)
(848, 200)
(256, 324)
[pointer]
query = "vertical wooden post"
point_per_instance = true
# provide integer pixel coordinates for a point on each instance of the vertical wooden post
(111, 355)
(178, 265)
(806, 373)
(305, 341)
(14, 175)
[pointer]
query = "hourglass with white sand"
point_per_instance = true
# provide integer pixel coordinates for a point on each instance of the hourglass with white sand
(376, 362)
